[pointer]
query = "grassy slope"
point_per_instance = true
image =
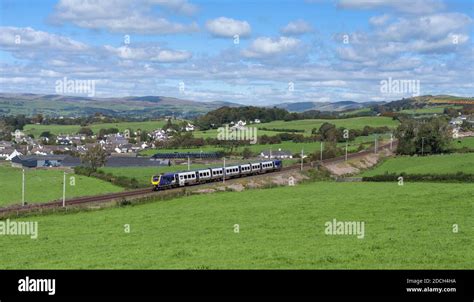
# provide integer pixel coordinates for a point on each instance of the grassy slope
(435, 164)
(405, 227)
(286, 145)
(467, 142)
(46, 185)
(350, 123)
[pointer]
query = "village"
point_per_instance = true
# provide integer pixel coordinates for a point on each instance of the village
(123, 148)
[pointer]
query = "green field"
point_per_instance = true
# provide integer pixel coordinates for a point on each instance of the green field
(430, 110)
(308, 148)
(356, 111)
(46, 185)
(433, 164)
(349, 123)
(467, 142)
(212, 133)
(36, 130)
(409, 227)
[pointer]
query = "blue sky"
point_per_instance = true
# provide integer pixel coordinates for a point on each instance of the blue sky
(337, 50)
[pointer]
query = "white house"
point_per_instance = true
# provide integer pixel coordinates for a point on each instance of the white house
(190, 127)
(240, 125)
(18, 135)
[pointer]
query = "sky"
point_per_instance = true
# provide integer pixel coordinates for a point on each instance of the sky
(257, 52)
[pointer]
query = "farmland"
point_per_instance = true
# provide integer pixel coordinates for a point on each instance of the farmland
(429, 110)
(467, 142)
(433, 164)
(407, 227)
(46, 185)
(308, 147)
(349, 123)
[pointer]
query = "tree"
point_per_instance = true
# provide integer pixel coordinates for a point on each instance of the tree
(423, 137)
(86, 131)
(247, 153)
(95, 157)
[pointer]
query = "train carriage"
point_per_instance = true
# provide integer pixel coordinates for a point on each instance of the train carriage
(172, 180)
(232, 171)
(204, 175)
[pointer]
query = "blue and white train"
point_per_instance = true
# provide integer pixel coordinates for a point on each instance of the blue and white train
(186, 178)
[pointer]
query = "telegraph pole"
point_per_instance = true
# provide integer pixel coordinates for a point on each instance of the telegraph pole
(321, 152)
(189, 164)
(302, 155)
(64, 189)
(375, 146)
(223, 173)
(346, 149)
(391, 141)
(23, 188)
(422, 145)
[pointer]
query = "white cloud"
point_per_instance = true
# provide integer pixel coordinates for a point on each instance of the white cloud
(149, 54)
(228, 27)
(426, 27)
(297, 27)
(265, 47)
(26, 42)
(123, 16)
(404, 6)
(379, 20)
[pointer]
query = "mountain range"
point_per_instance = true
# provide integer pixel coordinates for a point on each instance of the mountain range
(156, 106)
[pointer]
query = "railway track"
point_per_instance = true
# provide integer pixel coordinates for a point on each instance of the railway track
(17, 209)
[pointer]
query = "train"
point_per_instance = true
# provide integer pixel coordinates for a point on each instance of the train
(180, 179)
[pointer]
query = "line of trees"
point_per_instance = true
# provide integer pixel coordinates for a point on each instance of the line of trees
(427, 136)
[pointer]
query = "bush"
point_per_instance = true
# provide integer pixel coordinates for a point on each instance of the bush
(457, 177)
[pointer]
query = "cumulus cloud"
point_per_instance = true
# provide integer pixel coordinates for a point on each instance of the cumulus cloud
(154, 54)
(266, 47)
(297, 27)
(123, 16)
(430, 27)
(28, 42)
(227, 27)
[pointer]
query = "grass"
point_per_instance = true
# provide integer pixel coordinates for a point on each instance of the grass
(212, 133)
(433, 164)
(46, 185)
(349, 123)
(36, 130)
(467, 142)
(310, 147)
(407, 227)
(429, 110)
(356, 111)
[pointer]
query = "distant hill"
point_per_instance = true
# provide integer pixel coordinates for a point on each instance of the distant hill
(326, 106)
(427, 101)
(142, 106)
